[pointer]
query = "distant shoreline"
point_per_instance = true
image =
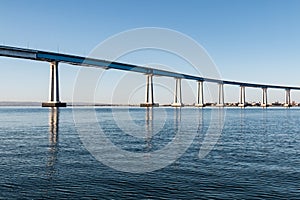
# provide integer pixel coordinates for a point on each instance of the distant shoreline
(79, 104)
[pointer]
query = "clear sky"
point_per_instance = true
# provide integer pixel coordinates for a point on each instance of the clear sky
(255, 41)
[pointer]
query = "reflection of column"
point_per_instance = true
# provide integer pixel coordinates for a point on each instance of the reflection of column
(213, 133)
(287, 98)
(200, 95)
(53, 140)
(242, 132)
(200, 130)
(177, 119)
(53, 125)
(177, 94)
(264, 98)
(221, 95)
(149, 127)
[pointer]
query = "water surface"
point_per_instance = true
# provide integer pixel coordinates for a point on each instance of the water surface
(257, 155)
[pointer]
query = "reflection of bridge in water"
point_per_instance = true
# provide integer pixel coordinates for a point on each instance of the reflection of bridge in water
(55, 58)
(53, 141)
(152, 123)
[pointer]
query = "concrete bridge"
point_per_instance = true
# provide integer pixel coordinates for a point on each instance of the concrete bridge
(55, 58)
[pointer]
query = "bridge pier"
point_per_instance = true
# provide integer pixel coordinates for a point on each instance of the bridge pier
(54, 88)
(264, 98)
(200, 95)
(287, 98)
(242, 97)
(149, 101)
(177, 94)
(221, 95)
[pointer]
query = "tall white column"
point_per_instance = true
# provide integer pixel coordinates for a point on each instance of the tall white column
(51, 82)
(152, 93)
(287, 98)
(221, 95)
(176, 91)
(177, 94)
(56, 78)
(54, 83)
(264, 97)
(54, 88)
(149, 91)
(200, 95)
(242, 102)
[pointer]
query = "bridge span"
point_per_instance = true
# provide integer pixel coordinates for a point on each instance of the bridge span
(55, 58)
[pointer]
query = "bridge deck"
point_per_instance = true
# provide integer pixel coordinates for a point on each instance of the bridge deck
(31, 54)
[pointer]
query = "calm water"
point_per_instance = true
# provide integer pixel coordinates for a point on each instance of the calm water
(257, 155)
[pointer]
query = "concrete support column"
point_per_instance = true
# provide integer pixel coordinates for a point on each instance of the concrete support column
(177, 94)
(221, 95)
(200, 95)
(242, 97)
(51, 82)
(287, 98)
(54, 83)
(147, 88)
(54, 88)
(149, 92)
(56, 80)
(264, 97)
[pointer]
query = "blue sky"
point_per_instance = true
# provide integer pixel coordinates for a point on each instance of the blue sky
(253, 41)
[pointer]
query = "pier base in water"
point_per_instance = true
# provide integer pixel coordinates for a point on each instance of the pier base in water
(177, 105)
(54, 104)
(149, 105)
(264, 105)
